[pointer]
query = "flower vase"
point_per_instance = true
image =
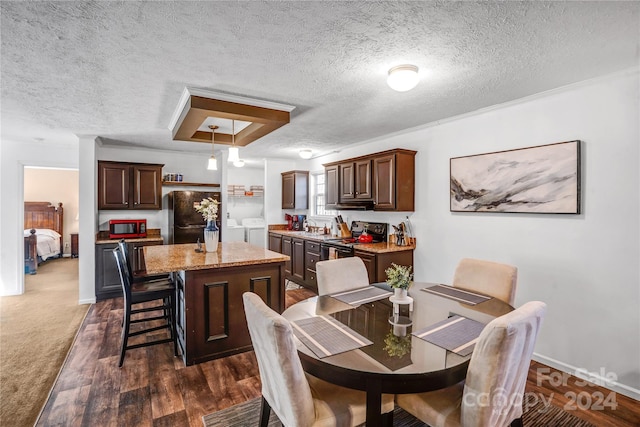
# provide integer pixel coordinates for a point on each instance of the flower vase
(211, 236)
(400, 294)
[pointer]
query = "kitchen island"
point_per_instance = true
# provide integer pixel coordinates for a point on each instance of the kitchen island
(210, 315)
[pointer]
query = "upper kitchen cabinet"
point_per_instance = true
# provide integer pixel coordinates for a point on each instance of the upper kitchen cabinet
(355, 180)
(382, 181)
(295, 190)
(331, 185)
(129, 185)
(394, 180)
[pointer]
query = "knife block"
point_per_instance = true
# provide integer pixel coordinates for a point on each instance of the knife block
(344, 230)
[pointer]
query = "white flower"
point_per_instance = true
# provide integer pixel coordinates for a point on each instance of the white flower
(208, 208)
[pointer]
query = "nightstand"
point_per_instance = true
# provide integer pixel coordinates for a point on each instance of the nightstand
(74, 245)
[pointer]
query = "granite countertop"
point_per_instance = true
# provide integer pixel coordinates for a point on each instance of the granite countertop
(168, 258)
(153, 235)
(378, 248)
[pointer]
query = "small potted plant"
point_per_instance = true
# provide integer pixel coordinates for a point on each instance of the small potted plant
(399, 277)
(208, 208)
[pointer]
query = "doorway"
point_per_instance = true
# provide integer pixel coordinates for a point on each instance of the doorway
(55, 186)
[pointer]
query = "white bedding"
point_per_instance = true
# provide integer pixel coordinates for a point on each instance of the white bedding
(48, 242)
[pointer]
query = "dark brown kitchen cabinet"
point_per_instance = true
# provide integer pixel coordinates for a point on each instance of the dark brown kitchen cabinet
(355, 180)
(331, 185)
(295, 190)
(129, 185)
(107, 276)
(311, 257)
(377, 263)
(286, 250)
(387, 179)
(297, 260)
(303, 256)
(275, 242)
(394, 178)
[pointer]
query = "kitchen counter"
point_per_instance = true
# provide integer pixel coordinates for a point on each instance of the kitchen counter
(210, 321)
(376, 248)
(168, 258)
(153, 236)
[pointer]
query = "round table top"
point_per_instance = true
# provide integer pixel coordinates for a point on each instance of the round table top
(395, 351)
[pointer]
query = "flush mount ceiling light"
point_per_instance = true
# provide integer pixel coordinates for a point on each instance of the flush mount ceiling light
(234, 152)
(213, 163)
(197, 106)
(403, 77)
(306, 153)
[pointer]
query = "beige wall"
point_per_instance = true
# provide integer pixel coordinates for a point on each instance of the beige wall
(55, 186)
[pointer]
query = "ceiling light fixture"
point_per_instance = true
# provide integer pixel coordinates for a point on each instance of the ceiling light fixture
(403, 77)
(234, 152)
(306, 153)
(213, 163)
(238, 163)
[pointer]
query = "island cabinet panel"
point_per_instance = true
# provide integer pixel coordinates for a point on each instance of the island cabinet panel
(216, 305)
(211, 318)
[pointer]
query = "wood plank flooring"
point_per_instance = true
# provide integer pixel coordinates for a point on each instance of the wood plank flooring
(154, 388)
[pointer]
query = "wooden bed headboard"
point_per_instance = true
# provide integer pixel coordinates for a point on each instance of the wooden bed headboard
(43, 215)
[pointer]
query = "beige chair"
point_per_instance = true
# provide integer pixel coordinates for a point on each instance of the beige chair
(486, 277)
(296, 398)
(342, 274)
(493, 391)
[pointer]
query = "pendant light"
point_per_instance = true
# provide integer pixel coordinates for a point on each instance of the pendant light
(213, 163)
(234, 152)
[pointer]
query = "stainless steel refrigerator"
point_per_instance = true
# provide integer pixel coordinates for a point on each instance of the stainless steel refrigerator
(186, 225)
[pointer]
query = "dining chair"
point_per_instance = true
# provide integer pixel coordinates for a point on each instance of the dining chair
(487, 277)
(145, 292)
(298, 399)
(342, 274)
(492, 393)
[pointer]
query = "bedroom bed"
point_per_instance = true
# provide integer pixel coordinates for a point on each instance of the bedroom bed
(42, 233)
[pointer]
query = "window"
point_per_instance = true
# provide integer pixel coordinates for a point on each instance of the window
(318, 208)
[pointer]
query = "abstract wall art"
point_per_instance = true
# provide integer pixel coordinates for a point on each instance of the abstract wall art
(541, 179)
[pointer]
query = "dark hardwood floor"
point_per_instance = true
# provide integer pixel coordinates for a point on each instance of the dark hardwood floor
(153, 388)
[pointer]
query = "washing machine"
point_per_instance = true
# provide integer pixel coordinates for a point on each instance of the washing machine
(235, 231)
(254, 231)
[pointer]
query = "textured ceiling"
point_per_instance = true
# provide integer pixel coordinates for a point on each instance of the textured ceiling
(117, 69)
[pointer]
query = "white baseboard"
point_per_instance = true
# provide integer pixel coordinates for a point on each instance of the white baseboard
(87, 301)
(594, 377)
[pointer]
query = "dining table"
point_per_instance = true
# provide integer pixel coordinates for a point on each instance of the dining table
(355, 339)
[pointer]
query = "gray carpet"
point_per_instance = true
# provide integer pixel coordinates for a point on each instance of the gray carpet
(247, 414)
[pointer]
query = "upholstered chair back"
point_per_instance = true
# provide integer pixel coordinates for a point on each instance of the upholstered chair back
(486, 277)
(342, 274)
(497, 374)
(284, 384)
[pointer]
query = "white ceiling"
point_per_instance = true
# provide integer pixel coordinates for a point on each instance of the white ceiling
(117, 69)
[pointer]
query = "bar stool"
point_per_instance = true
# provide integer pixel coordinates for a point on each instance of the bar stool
(138, 278)
(146, 291)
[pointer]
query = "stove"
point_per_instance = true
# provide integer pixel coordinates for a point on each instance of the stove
(344, 247)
